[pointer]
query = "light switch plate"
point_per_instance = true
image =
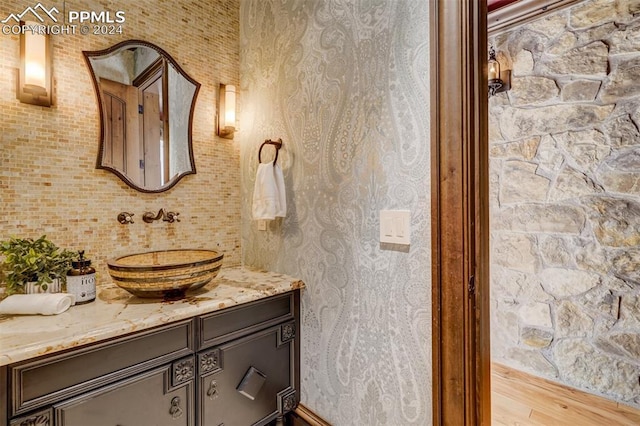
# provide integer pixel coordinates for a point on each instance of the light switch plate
(395, 226)
(262, 225)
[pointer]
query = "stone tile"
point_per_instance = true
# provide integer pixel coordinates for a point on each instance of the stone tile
(520, 150)
(554, 251)
(552, 218)
(628, 342)
(520, 183)
(514, 251)
(626, 264)
(589, 60)
(572, 184)
(535, 337)
(517, 123)
(535, 314)
(562, 44)
(615, 222)
(622, 80)
(563, 283)
(586, 148)
(523, 63)
(629, 309)
(532, 90)
(572, 321)
(622, 131)
(580, 91)
(531, 360)
(584, 366)
(589, 14)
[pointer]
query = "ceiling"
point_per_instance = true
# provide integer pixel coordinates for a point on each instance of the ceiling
(496, 4)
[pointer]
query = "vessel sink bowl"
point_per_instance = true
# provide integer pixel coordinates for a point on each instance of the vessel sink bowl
(168, 274)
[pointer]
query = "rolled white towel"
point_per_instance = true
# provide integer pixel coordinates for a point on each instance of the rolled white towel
(32, 304)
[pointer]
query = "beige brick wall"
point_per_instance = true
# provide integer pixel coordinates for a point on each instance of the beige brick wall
(48, 180)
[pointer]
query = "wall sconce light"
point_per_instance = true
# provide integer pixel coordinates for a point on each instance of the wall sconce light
(227, 111)
(34, 79)
(499, 81)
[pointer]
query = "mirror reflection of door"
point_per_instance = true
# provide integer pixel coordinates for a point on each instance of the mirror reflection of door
(136, 128)
(154, 124)
(122, 149)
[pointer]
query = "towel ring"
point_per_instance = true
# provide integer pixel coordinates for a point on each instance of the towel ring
(277, 144)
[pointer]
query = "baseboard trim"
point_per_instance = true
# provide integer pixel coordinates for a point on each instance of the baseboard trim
(310, 417)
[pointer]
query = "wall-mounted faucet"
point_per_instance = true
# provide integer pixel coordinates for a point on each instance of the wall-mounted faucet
(170, 217)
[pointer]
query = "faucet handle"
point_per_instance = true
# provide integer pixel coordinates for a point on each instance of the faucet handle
(172, 217)
(125, 218)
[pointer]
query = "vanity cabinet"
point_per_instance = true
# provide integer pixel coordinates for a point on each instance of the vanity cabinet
(145, 399)
(235, 366)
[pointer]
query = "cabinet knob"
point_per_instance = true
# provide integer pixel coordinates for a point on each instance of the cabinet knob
(175, 409)
(212, 392)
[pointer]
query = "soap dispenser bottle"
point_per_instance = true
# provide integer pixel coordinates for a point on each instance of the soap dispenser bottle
(81, 280)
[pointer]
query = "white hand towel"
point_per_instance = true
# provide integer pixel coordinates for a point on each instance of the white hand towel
(269, 195)
(281, 210)
(42, 303)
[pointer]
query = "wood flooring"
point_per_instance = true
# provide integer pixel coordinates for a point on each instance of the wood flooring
(522, 399)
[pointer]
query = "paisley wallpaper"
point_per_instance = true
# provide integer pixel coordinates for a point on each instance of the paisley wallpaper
(345, 85)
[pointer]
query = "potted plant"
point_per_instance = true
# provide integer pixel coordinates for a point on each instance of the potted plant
(34, 261)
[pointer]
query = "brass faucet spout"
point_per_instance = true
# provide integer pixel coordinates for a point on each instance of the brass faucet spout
(148, 217)
(166, 216)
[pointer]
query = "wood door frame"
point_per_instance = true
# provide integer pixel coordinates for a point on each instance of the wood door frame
(460, 201)
(460, 213)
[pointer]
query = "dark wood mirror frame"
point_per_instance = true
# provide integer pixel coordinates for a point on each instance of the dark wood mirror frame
(167, 60)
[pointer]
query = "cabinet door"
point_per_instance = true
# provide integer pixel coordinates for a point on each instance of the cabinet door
(163, 396)
(39, 383)
(248, 381)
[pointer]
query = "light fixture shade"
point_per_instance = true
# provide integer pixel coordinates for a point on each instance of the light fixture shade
(494, 69)
(34, 80)
(495, 81)
(227, 111)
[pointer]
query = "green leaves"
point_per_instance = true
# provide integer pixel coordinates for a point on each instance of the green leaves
(38, 260)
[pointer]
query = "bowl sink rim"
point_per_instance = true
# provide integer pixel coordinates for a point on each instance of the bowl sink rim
(117, 266)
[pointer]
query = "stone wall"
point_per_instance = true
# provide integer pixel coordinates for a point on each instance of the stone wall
(565, 199)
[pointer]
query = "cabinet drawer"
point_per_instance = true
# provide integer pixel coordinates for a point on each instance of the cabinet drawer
(36, 383)
(251, 381)
(145, 399)
(235, 322)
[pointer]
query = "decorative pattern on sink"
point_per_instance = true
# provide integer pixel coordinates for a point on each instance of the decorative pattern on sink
(165, 273)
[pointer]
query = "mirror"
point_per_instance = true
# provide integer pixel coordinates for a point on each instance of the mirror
(146, 106)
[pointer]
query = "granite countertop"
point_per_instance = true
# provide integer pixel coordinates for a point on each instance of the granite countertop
(116, 312)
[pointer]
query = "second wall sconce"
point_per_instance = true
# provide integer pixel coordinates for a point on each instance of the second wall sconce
(227, 111)
(34, 79)
(499, 81)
